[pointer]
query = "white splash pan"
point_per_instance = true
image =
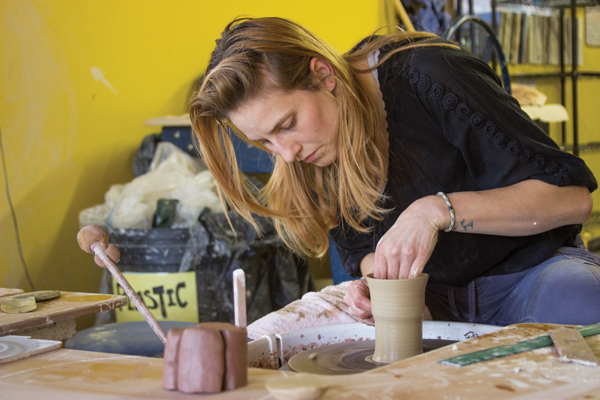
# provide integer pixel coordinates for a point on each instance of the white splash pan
(274, 351)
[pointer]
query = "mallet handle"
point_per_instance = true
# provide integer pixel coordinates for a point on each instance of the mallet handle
(97, 250)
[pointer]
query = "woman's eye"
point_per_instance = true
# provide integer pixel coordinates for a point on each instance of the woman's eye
(290, 125)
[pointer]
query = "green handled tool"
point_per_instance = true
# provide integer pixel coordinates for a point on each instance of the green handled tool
(515, 348)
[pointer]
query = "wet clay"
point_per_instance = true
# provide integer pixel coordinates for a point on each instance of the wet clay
(398, 306)
(207, 358)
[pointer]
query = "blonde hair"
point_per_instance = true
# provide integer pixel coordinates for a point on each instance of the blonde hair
(305, 201)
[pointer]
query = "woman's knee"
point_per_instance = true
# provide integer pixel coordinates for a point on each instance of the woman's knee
(567, 292)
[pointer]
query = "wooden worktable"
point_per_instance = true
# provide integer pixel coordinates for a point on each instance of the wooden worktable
(55, 319)
(71, 374)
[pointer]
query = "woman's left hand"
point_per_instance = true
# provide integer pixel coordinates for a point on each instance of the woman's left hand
(406, 247)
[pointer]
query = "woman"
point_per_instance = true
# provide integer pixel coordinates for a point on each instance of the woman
(384, 147)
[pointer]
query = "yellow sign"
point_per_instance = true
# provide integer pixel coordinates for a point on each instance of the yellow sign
(168, 296)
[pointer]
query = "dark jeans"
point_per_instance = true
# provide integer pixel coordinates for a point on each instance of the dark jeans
(565, 289)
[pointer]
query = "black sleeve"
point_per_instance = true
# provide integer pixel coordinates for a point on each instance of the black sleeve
(498, 141)
(352, 247)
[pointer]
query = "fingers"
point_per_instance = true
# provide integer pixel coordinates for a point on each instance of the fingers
(403, 251)
(380, 270)
(358, 299)
(407, 260)
(400, 262)
(419, 263)
(417, 267)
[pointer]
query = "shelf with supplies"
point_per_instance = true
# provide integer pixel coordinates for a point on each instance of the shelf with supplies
(562, 28)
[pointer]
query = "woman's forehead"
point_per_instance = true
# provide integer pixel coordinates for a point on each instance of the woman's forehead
(261, 114)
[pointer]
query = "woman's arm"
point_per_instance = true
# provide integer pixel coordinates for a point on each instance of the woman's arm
(526, 208)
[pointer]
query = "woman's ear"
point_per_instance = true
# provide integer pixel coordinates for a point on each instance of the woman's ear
(322, 73)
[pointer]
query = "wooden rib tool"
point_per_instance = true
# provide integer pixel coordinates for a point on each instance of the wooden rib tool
(572, 347)
(94, 239)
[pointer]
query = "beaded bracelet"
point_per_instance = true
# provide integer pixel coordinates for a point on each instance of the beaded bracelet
(449, 229)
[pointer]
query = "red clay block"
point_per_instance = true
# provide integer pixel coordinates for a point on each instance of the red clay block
(236, 354)
(201, 366)
(171, 359)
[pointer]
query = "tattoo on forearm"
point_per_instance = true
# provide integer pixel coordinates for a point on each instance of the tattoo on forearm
(466, 225)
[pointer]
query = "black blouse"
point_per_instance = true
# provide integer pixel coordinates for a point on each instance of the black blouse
(453, 128)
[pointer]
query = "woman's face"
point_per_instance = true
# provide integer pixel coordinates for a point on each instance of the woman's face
(298, 125)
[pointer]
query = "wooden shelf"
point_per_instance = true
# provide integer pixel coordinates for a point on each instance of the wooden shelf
(573, 73)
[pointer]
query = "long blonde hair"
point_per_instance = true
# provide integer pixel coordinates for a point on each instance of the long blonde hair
(305, 201)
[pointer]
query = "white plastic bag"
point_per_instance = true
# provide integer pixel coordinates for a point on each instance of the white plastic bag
(173, 174)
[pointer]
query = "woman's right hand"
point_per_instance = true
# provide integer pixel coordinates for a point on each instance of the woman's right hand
(358, 298)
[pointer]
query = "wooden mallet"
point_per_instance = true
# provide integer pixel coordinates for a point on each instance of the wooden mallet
(94, 239)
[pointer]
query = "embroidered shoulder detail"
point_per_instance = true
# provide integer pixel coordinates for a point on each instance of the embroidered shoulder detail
(500, 139)
(562, 178)
(552, 168)
(451, 102)
(424, 83)
(489, 128)
(513, 149)
(413, 76)
(463, 110)
(526, 156)
(437, 91)
(539, 161)
(477, 120)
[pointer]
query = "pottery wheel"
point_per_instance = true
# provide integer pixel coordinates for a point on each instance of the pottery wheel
(346, 358)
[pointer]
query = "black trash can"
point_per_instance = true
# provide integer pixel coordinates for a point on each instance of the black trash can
(170, 261)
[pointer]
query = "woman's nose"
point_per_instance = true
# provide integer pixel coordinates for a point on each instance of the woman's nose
(289, 151)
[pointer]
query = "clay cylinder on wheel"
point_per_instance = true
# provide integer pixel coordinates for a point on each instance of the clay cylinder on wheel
(398, 306)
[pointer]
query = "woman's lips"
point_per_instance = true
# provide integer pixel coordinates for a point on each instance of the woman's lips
(311, 157)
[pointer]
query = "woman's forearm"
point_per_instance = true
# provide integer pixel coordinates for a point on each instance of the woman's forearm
(526, 208)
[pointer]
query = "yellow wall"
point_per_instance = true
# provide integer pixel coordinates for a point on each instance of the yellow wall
(588, 89)
(68, 134)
